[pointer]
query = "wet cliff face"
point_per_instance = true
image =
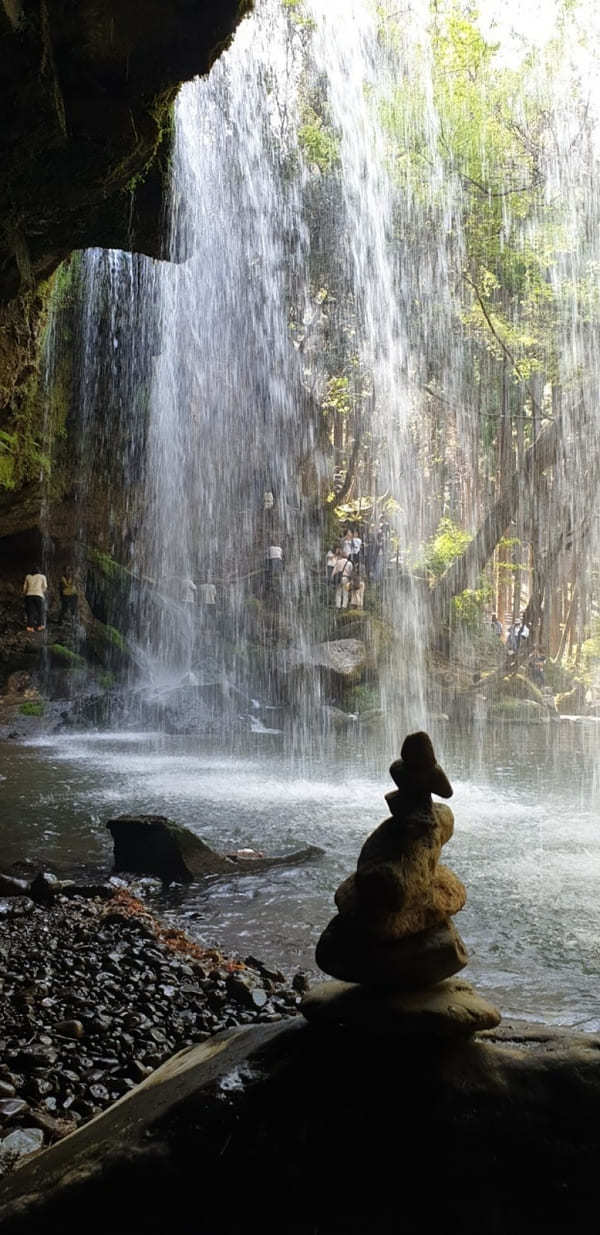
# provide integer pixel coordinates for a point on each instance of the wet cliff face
(84, 130)
(87, 88)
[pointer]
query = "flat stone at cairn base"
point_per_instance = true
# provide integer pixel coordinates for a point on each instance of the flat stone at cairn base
(411, 963)
(450, 1009)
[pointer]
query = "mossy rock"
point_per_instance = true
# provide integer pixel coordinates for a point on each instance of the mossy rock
(67, 658)
(33, 707)
(519, 710)
(518, 686)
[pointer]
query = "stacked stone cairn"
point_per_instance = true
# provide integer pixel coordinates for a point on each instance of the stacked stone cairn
(392, 946)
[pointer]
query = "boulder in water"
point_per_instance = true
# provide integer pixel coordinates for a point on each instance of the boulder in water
(155, 845)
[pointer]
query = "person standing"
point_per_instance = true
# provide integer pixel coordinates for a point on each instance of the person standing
(68, 597)
(207, 599)
(342, 572)
(274, 565)
(496, 625)
(357, 590)
(35, 588)
(347, 543)
(188, 591)
(356, 547)
(330, 563)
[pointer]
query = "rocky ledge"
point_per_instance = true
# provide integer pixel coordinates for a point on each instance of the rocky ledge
(296, 1128)
(95, 995)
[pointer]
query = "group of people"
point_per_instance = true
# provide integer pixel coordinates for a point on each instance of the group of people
(517, 633)
(355, 559)
(517, 640)
(35, 595)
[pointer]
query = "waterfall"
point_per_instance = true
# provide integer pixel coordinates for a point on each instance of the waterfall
(312, 319)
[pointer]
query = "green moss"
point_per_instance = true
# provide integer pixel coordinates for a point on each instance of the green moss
(65, 654)
(115, 637)
(110, 568)
(33, 707)
(31, 437)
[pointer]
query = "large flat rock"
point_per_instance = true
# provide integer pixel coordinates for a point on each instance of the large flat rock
(298, 1128)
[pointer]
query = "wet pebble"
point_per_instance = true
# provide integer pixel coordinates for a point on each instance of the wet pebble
(93, 1001)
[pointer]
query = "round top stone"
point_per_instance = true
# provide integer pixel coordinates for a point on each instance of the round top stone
(417, 766)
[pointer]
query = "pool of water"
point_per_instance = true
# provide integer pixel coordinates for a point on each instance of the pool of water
(526, 844)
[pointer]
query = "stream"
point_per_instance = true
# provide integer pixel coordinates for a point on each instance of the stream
(526, 844)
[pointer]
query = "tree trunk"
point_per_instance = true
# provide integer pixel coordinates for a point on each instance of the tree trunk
(465, 570)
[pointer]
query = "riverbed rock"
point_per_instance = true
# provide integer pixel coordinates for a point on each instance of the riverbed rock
(11, 886)
(155, 845)
(447, 1010)
(21, 1143)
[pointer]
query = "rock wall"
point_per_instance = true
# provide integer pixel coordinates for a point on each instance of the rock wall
(85, 133)
(296, 1129)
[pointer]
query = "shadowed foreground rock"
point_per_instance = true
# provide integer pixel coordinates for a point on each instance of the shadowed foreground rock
(293, 1129)
(155, 845)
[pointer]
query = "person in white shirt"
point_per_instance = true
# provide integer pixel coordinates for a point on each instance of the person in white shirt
(356, 544)
(274, 566)
(342, 573)
(34, 589)
(188, 591)
(207, 599)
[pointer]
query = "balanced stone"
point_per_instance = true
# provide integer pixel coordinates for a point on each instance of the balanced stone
(393, 940)
(398, 888)
(449, 1009)
(348, 952)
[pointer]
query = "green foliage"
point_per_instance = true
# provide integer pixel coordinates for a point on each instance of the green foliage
(298, 14)
(363, 698)
(468, 607)
(493, 136)
(319, 144)
(337, 396)
(590, 650)
(448, 542)
(33, 437)
(33, 707)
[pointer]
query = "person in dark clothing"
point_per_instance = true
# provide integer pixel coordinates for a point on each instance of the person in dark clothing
(68, 597)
